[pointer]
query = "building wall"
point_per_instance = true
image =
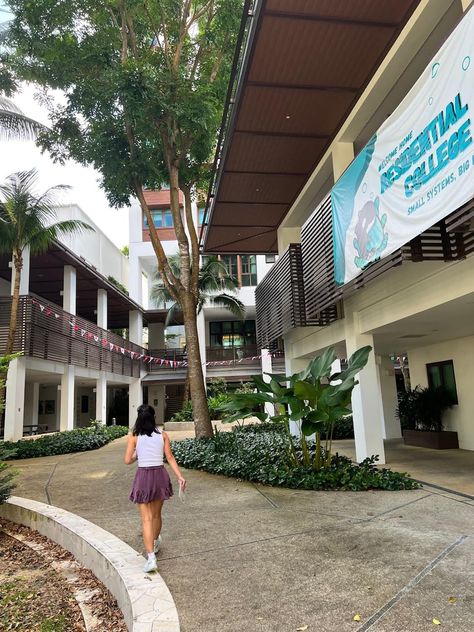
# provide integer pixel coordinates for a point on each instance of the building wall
(95, 247)
(461, 352)
(4, 287)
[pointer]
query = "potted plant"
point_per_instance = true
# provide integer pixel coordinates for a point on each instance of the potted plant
(421, 413)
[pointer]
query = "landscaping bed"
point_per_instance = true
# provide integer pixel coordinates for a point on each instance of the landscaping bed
(261, 453)
(41, 586)
(77, 440)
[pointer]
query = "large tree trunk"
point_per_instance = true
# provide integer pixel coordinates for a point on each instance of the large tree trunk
(18, 264)
(197, 387)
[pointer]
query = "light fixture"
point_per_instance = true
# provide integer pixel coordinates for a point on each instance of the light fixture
(288, 116)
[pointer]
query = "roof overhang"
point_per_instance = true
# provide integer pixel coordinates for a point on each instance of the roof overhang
(47, 279)
(305, 66)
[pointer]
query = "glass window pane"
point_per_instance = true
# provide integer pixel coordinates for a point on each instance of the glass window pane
(216, 328)
(434, 376)
(168, 219)
(449, 380)
(227, 326)
(201, 216)
(157, 219)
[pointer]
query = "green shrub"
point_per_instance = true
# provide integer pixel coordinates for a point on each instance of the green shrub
(6, 473)
(216, 386)
(258, 454)
(77, 440)
(344, 428)
(214, 403)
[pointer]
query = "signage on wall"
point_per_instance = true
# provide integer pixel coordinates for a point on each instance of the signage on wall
(417, 168)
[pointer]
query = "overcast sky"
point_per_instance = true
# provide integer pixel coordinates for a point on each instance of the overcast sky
(86, 192)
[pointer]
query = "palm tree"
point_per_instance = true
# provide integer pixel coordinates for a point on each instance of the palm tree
(216, 287)
(14, 124)
(27, 220)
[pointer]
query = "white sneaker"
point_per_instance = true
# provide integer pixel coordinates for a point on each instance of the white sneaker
(157, 544)
(150, 565)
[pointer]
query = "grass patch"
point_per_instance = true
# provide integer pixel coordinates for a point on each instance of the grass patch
(261, 453)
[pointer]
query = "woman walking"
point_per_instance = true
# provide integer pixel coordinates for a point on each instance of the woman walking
(152, 484)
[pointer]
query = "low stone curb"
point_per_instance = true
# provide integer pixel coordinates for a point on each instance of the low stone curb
(144, 599)
(189, 425)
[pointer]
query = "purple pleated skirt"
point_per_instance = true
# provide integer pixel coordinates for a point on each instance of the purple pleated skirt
(151, 483)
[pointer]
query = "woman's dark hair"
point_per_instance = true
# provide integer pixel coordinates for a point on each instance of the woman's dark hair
(145, 423)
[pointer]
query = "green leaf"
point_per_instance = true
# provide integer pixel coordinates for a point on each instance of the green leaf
(321, 366)
(306, 391)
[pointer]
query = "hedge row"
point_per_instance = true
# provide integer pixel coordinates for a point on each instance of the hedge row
(77, 440)
(260, 454)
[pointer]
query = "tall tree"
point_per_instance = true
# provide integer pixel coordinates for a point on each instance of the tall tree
(27, 220)
(145, 83)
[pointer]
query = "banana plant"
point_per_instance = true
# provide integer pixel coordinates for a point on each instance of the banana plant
(315, 398)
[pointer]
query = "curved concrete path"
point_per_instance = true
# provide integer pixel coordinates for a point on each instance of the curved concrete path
(240, 557)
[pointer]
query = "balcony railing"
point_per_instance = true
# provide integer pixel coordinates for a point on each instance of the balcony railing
(47, 332)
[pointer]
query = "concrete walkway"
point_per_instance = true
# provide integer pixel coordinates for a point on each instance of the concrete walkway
(241, 557)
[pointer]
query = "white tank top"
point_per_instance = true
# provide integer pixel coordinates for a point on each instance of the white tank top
(150, 450)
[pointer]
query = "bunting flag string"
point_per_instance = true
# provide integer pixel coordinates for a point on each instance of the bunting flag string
(135, 355)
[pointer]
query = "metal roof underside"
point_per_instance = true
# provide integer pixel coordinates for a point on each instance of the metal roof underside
(307, 63)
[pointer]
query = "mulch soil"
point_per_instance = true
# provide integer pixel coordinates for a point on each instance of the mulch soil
(37, 594)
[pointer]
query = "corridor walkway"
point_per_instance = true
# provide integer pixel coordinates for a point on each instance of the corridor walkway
(239, 557)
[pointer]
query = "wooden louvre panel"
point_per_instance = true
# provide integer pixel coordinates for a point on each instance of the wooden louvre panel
(41, 335)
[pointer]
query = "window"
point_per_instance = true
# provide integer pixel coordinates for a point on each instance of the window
(249, 270)
(232, 333)
(442, 374)
(201, 216)
(270, 258)
(161, 219)
(232, 266)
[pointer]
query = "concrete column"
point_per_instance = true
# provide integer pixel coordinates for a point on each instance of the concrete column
(102, 308)
(388, 387)
(287, 236)
(156, 398)
(466, 4)
(367, 409)
(294, 365)
(66, 419)
(156, 336)
(135, 399)
(201, 327)
(25, 274)
(101, 399)
(135, 277)
(135, 327)
(69, 289)
(15, 400)
(35, 404)
(267, 368)
(342, 156)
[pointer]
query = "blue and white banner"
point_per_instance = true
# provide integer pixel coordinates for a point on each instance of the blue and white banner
(418, 168)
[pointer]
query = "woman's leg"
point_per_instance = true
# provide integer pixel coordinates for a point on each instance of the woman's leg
(156, 510)
(146, 513)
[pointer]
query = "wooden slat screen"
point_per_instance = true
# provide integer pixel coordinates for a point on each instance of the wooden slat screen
(41, 335)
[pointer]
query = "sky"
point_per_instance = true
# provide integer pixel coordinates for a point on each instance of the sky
(85, 181)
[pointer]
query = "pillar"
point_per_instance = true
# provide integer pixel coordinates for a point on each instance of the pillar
(101, 399)
(66, 420)
(294, 365)
(388, 387)
(15, 400)
(135, 399)
(69, 289)
(201, 327)
(342, 156)
(286, 236)
(156, 336)
(135, 327)
(35, 404)
(267, 368)
(156, 398)
(102, 308)
(135, 277)
(367, 410)
(25, 274)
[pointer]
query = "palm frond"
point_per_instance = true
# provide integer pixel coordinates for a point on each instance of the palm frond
(230, 303)
(15, 125)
